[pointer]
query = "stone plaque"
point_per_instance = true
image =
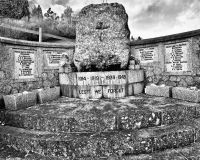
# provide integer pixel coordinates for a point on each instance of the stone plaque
(146, 54)
(24, 63)
(84, 92)
(96, 92)
(53, 57)
(176, 57)
(102, 78)
(116, 91)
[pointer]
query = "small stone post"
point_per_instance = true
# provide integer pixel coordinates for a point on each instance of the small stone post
(40, 34)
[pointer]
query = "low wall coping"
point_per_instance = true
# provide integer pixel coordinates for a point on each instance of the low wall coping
(35, 44)
(172, 37)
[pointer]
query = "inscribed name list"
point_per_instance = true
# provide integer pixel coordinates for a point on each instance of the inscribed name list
(176, 57)
(146, 55)
(24, 63)
(53, 57)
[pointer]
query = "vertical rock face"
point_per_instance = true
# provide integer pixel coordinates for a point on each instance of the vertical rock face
(102, 35)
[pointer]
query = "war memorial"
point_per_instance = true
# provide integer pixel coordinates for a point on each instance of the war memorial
(105, 97)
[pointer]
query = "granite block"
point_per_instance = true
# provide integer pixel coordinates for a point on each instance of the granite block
(135, 76)
(161, 91)
(186, 94)
(20, 100)
(49, 94)
(138, 88)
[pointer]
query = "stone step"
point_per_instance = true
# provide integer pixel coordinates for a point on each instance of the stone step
(189, 152)
(102, 144)
(75, 115)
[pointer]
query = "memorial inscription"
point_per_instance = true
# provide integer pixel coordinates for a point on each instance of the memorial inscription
(24, 63)
(147, 54)
(176, 57)
(53, 57)
(103, 78)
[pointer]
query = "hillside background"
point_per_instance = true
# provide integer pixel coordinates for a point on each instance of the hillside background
(26, 15)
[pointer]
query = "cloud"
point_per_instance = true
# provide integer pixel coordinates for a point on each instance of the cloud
(60, 2)
(147, 18)
(160, 17)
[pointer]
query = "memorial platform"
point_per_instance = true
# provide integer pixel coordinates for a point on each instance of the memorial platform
(75, 128)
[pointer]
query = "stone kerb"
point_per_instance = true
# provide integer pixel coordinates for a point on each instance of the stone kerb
(161, 91)
(27, 99)
(186, 94)
(113, 84)
(48, 94)
(20, 100)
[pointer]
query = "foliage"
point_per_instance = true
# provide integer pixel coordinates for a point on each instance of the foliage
(67, 15)
(101, 63)
(139, 38)
(37, 12)
(15, 9)
(50, 15)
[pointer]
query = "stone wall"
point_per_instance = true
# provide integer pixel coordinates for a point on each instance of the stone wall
(26, 66)
(171, 60)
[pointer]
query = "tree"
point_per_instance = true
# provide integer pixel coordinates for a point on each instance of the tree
(50, 15)
(34, 12)
(139, 38)
(132, 38)
(18, 9)
(67, 15)
(39, 11)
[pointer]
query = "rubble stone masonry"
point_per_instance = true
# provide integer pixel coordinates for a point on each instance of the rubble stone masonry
(25, 66)
(171, 60)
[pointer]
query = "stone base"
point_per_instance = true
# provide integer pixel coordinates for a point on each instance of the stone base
(49, 94)
(76, 115)
(158, 91)
(73, 128)
(96, 85)
(186, 94)
(82, 145)
(20, 100)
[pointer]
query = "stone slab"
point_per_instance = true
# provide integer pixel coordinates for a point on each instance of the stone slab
(96, 92)
(67, 79)
(69, 91)
(130, 90)
(161, 91)
(102, 78)
(48, 94)
(138, 88)
(176, 59)
(186, 94)
(20, 100)
(135, 76)
(116, 91)
(24, 63)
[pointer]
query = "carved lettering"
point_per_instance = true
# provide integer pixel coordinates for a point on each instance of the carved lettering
(176, 57)
(82, 78)
(84, 91)
(116, 90)
(25, 63)
(97, 91)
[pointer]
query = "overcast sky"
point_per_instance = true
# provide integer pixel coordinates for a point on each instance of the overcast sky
(147, 18)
